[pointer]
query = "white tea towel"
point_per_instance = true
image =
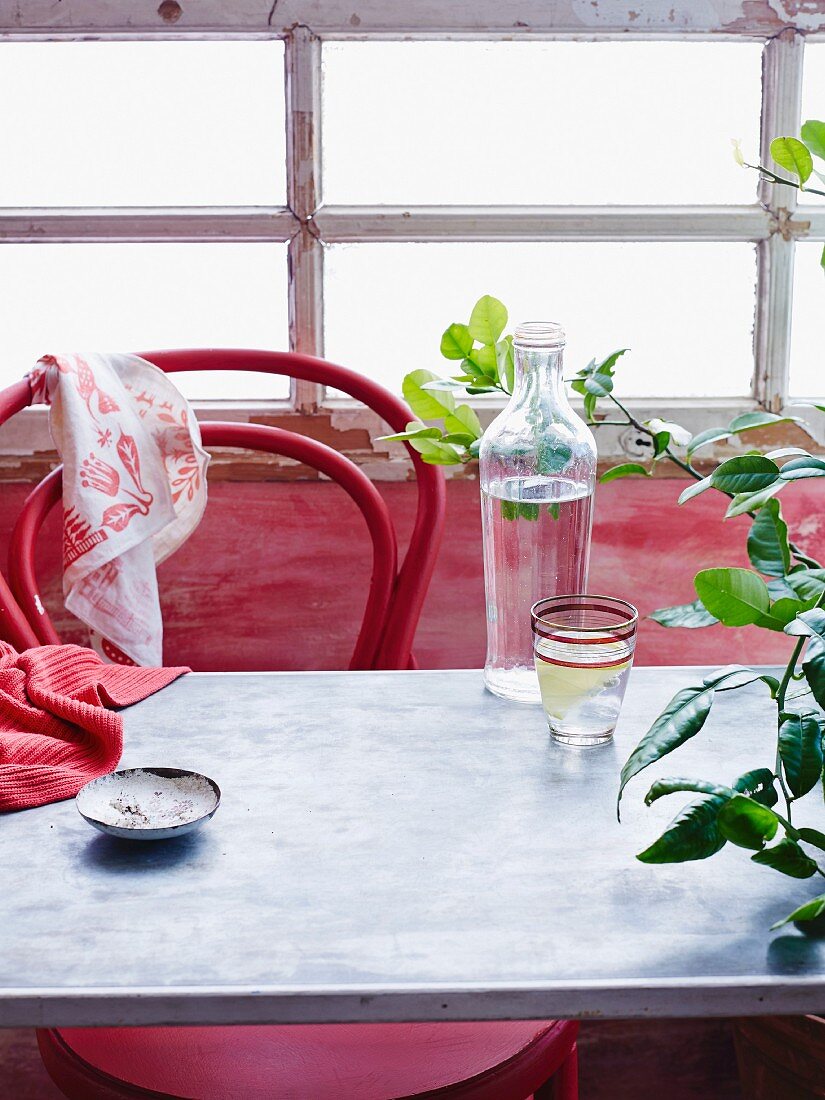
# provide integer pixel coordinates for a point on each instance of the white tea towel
(134, 489)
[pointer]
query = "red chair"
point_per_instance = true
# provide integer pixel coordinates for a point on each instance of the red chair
(465, 1061)
(396, 594)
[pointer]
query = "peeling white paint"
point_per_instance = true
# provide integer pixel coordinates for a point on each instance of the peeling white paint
(638, 15)
(805, 15)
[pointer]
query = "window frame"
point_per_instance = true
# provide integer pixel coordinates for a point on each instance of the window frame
(306, 223)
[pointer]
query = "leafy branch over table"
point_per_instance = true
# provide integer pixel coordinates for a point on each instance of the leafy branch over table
(783, 591)
(797, 157)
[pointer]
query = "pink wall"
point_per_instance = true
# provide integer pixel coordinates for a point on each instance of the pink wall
(275, 576)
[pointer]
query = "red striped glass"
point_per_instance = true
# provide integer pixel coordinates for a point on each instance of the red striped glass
(583, 647)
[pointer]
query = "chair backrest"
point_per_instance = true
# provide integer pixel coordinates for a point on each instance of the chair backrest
(396, 594)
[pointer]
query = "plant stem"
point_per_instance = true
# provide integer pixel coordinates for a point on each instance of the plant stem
(691, 470)
(780, 707)
(771, 177)
(789, 671)
(637, 424)
(794, 835)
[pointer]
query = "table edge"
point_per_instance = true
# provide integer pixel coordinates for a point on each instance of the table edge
(223, 1005)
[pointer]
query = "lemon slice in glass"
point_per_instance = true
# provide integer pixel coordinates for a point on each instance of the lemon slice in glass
(562, 687)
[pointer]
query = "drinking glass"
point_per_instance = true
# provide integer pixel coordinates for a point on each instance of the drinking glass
(583, 647)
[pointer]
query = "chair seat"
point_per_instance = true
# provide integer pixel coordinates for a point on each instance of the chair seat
(310, 1062)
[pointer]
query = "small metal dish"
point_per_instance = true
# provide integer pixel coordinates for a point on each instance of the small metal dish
(149, 803)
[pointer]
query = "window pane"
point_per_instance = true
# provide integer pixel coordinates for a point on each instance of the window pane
(387, 305)
(139, 297)
(807, 376)
(813, 83)
(142, 123)
(813, 104)
(539, 122)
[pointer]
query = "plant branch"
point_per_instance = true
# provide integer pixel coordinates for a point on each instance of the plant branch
(633, 422)
(771, 177)
(781, 692)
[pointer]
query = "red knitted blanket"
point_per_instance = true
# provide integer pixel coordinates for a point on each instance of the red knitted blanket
(56, 731)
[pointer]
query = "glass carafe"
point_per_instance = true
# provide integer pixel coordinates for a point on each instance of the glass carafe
(537, 470)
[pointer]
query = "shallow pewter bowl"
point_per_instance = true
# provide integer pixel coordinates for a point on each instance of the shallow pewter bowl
(149, 803)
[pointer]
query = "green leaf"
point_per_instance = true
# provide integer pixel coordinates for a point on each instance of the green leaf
(552, 456)
(731, 677)
(758, 785)
(693, 834)
(791, 154)
(462, 420)
(681, 719)
(505, 363)
(485, 360)
(435, 452)
(415, 430)
(746, 422)
(660, 443)
(752, 502)
(451, 384)
(810, 623)
(808, 584)
(694, 489)
(783, 612)
(800, 746)
(671, 785)
(515, 509)
(626, 469)
(745, 474)
(475, 372)
(809, 911)
(785, 452)
(747, 823)
(812, 836)
(608, 365)
(553, 510)
(736, 597)
(710, 435)
(599, 385)
(787, 857)
(780, 589)
(690, 615)
(768, 548)
(814, 669)
(426, 404)
(813, 135)
(456, 343)
(799, 468)
(487, 320)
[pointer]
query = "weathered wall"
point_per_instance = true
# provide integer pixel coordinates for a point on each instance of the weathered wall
(275, 576)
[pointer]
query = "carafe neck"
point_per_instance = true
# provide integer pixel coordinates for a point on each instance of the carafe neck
(538, 354)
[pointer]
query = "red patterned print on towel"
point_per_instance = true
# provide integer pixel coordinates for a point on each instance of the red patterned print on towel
(134, 488)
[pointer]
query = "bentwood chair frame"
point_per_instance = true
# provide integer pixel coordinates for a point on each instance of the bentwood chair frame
(396, 593)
